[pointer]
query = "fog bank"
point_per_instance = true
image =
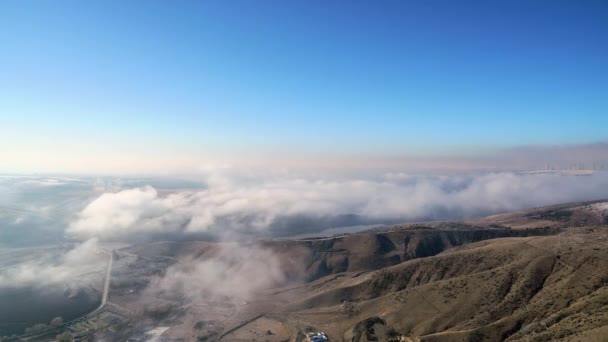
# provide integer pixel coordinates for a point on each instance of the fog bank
(233, 205)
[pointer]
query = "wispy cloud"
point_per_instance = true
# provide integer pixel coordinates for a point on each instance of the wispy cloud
(232, 271)
(84, 258)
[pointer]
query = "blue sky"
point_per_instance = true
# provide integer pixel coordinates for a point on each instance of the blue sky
(202, 79)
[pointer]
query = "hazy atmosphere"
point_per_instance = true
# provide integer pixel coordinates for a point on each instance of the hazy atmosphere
(156, 87)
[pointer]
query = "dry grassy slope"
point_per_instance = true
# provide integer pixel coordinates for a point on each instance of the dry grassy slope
(533, 288)
(308, 260)
(313, 259)
(449, 282)
(563, 215)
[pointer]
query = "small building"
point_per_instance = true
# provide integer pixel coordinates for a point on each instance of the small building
(316, 337)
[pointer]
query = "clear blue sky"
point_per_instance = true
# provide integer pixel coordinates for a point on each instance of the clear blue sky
(190, 77)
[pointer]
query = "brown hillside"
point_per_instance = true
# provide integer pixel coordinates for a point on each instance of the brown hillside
(535, 288)
(372, 251)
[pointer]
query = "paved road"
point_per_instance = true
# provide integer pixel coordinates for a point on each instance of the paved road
(106, 284)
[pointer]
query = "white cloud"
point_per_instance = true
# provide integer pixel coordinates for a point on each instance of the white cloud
(234, 205)
(82, 259)
(233, 272)
(44, 182)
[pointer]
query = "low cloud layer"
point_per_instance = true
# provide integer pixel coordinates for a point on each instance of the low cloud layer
(233, 272)
(65, 269)
(230, 205)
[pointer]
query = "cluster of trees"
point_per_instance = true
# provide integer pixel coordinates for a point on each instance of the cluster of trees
(348, 308)
(40, 327)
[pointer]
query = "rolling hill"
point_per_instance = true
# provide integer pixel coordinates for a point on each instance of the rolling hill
(534, 275)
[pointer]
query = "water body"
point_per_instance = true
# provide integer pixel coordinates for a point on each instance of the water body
(21, 308)
(335, 231)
